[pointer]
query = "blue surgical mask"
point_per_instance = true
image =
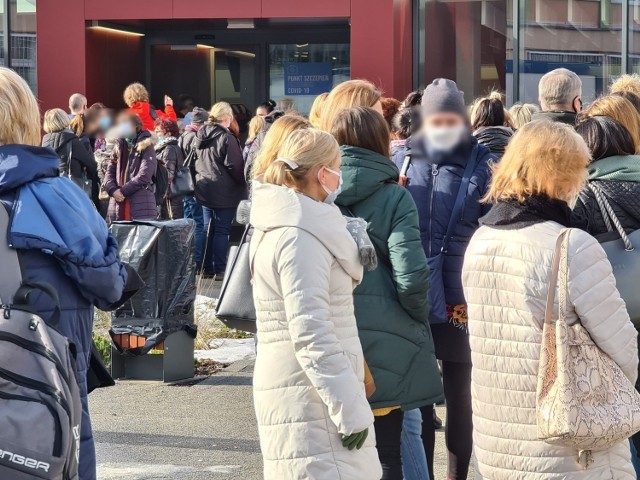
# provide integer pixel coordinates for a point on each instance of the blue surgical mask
(331, 196)
(127, 130)
(160, 139)
(105, 123)
(445, 139)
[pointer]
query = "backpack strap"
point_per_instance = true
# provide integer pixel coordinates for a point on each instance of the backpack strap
(462, 194)
(11, 277)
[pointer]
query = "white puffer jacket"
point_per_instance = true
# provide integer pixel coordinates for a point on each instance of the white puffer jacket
(309, 375)
(505, 276)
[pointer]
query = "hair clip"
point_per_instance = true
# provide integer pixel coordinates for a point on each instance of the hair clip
(290, 163)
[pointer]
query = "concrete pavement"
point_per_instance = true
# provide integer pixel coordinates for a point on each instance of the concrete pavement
(152, 431)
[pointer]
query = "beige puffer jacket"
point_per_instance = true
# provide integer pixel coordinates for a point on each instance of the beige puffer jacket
(505, 276)
(309, 374)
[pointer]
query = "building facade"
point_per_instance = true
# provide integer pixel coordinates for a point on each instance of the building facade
(250, 50)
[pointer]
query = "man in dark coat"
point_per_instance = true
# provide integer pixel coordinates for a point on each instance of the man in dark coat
(560, 96)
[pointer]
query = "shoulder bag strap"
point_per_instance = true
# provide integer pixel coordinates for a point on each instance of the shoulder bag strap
(11, 277)
(553, 281)
(406, 163)
(253, 259)
(609, 216)
(69, 155)
(457, 206)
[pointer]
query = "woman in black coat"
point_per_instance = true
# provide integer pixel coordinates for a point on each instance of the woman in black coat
(76, 162)
(169, 152)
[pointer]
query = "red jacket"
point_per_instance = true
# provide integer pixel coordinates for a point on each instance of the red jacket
(148, 117)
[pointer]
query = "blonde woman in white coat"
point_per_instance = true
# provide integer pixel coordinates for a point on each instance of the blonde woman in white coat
(506, 275)
(313, 416)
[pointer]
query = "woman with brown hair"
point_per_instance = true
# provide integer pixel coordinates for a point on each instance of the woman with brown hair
(391, 303)
(352, 93)
(491, 124)
(619, 109)
(506, 275)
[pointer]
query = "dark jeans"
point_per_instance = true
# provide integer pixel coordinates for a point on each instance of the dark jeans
(218, 222)
(456, 378)
(388, 432)
(193, 210)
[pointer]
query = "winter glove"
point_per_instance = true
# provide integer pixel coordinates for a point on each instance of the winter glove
(355, 440)
(357, 227)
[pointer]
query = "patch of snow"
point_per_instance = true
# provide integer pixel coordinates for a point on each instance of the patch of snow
(227, 350)
(205, 308)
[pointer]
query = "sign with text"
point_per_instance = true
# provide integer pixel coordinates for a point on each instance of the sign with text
(307, 78)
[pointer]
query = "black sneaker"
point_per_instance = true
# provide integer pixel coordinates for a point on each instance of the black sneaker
(437, 422)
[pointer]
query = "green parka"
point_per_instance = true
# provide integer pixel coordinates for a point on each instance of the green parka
(391, 302)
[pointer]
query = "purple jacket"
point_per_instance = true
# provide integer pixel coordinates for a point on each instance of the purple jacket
(133, 174)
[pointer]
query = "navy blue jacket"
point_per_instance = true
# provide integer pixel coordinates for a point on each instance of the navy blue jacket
(61, 240)
(434, 184)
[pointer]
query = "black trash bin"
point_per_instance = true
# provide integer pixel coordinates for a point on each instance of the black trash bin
(153, 333)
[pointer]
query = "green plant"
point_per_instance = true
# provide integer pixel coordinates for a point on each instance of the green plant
(103, 343)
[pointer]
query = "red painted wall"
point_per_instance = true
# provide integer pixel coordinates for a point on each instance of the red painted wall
(71, 59)
(309, 9)
(381, 44)
(113, 61)
(60, 51)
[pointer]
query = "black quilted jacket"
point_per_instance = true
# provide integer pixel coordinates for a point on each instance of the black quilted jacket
(624, 197)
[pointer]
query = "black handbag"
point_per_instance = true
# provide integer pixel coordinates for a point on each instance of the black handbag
(183, 184)
(83, 183)
(235, 307)
(623, 256)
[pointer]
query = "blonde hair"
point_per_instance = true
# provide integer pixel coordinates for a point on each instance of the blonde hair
(521, 113)
(315, 115)
(619, 109)
(220, 112)
(543, 158)
(136, 92)
(352, 93)
(274, 139)
(626, 83)
(19, 112)
(256, 125)
(55, 120)
(308, 148)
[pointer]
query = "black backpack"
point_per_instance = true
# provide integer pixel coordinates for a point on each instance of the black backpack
(39, 396)
(161, 182)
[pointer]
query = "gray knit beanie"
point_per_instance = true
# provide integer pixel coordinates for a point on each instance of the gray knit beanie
(199, 116)
(443, 96)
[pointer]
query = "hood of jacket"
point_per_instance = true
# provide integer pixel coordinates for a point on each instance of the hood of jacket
(143, 141)
(275, 207)
(563, 117)
(52, 215)
(167, 141)
(364, 172)
(56, 139)
(209, 134)
(22, 164)
(494, 138)
(619, 168)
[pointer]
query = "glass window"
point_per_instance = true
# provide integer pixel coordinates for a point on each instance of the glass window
(303, 71)
(2, 14)
(634, 36)
(22, 22)
(581, 35)
(466, 41)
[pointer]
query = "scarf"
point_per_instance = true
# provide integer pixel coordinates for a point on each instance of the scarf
(620, 168)
(512, 214)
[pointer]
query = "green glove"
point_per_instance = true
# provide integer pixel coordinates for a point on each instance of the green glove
(355, 440)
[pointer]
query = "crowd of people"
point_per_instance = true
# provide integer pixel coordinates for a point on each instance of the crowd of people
(465, 207)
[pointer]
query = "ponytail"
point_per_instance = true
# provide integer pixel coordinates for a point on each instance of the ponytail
(278, 173)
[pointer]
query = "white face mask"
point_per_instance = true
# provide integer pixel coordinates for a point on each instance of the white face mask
(331, 196)
(126, 130)
(445, 139)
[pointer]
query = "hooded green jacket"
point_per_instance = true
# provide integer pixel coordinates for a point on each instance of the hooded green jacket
(391, 302)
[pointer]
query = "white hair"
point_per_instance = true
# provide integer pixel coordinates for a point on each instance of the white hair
(77, 102)
(559, 88)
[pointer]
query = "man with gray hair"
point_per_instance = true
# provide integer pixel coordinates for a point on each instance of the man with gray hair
(77, 104)
(560, 96)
